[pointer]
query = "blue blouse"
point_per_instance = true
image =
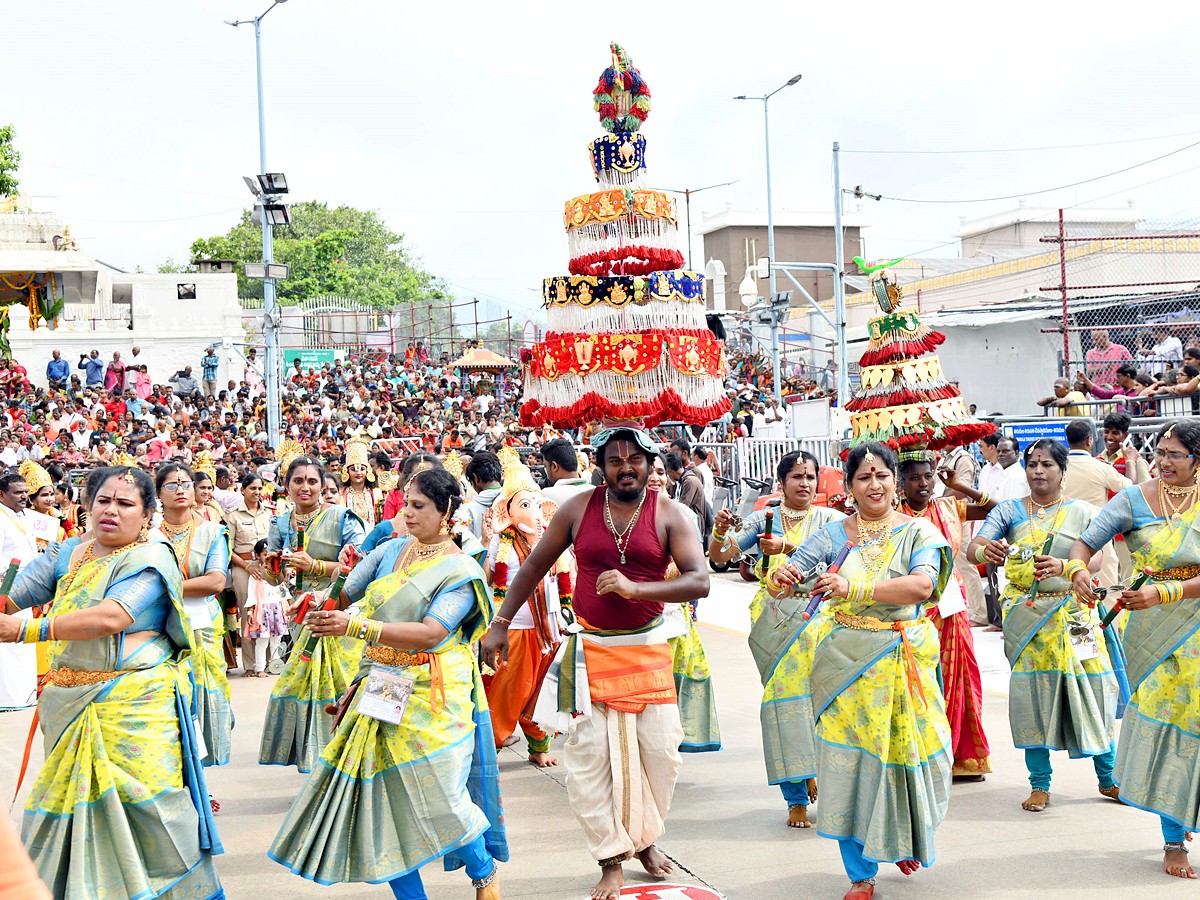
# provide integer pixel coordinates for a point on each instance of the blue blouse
(449, 608)
(824, 544)
(139, 595)
(282, 534)
(1125, 512)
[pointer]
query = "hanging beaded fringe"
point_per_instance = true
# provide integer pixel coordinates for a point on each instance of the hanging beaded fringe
(597, 237)
(631, 317)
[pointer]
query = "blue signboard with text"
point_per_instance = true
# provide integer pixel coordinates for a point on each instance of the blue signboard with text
(1028, 432)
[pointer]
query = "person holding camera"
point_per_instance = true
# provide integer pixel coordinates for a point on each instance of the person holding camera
(93, 366)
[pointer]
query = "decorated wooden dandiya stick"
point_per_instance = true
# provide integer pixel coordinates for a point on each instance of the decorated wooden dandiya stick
(1118, 606)
(833, 570)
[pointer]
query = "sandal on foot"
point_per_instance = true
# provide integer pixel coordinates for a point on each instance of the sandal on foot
(861, 893)
(798, 816)
(1035, 805)
(1112, 793)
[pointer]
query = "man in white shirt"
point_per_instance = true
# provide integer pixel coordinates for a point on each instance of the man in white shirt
(700, 467)
(18, 662)
(1092, 481)
(991, 471)
(1167, 349)
(562, 468)
(774, 425)
(1013, 483)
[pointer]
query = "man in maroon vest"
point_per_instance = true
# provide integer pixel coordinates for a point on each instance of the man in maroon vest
(611, 689)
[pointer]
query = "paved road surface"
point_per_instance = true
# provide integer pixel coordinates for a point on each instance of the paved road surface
(726, 827)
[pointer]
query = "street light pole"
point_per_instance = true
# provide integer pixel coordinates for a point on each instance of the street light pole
(839, 286)
(771, 232)
(687, 202)
(273, 363)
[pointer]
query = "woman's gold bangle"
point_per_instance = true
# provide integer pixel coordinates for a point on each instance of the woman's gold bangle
(1071, 568)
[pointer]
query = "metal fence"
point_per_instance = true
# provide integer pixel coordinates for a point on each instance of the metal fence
(1129, 294)
(340, 323)
(757, 458)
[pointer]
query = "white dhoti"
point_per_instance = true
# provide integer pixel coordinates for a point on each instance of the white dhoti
(621, 772)
(18, 672)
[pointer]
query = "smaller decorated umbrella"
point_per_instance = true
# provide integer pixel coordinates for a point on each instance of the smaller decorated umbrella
(477, 359)
(904, 399)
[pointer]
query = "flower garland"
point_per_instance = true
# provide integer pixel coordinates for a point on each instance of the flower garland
(634, 259)
(500, 584)
(621, 96)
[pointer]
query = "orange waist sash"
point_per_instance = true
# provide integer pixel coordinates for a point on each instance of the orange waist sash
(629, 678)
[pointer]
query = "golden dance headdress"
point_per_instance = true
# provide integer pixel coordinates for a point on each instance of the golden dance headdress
(35, 476)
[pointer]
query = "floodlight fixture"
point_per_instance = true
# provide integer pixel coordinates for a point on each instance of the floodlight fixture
(252, 185)
(255, 270)
(273, 183)
(277, 271)
(276, 214)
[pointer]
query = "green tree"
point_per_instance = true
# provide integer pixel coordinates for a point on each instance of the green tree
(341, 251)
(10, 160)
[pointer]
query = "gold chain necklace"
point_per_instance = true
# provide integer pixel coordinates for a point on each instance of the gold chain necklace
(1170, 511)
(420, 552)
(622, 538)
(873, 535)
(1037, 510)
(174, 531)
(302, 520)
(88, 556)
(793, 518)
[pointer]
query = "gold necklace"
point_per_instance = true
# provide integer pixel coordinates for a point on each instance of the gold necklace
(793, 518)
(1040, 509)
(88, 556)
(174, 531)
(300, 520)
(422, 552)
(873, 543)
(1170, 511)
(622, 538)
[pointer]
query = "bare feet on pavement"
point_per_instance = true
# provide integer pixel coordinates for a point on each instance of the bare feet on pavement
(543, 760)
(655, 862)
(798, 817)
(609, 885)
(1175, 862)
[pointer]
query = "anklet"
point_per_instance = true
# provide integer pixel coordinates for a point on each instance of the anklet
(481, 883)
(1174, 847)
(613, 860)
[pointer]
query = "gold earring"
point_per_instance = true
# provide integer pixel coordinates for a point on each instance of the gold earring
(444, 528)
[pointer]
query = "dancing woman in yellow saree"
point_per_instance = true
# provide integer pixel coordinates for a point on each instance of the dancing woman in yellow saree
(1160, 734)
(202, 548)
(296, 728)
(120, 808)
(781, 640)
(391, 794)
(883, 742)
(1063, 690)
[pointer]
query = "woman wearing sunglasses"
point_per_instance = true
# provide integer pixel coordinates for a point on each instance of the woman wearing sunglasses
(1160, 736)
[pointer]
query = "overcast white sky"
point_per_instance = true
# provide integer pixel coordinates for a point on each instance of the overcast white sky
(466, 124)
